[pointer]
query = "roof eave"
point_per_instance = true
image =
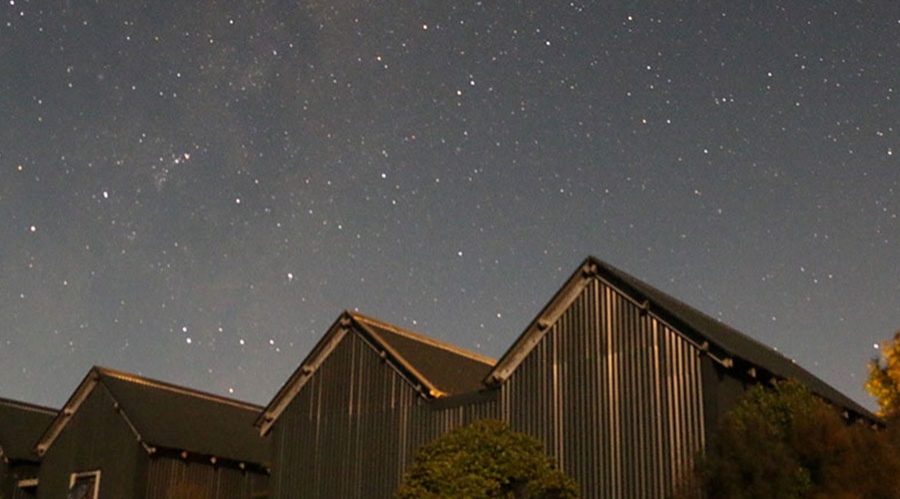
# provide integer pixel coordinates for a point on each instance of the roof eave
(210, 459)
(29, 406)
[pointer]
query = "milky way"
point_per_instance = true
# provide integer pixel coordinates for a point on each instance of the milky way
(195, 191)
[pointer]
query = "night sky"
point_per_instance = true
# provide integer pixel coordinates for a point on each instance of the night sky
(194, 191)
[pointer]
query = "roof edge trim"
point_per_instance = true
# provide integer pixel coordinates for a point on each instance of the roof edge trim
(404, 368)
(121, 412)
(303, 373)
(182, 390)
(67, 411)
(538, 327)
(647, 307)
(588, 271)
(424, 339)
(27, 406)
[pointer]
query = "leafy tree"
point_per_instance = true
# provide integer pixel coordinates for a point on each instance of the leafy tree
(884, 379)
(485, 459)
(751, 456)
(784, 442)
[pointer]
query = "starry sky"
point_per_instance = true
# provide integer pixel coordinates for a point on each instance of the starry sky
(194, 191)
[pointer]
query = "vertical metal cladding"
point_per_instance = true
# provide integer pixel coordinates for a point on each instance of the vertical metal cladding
(342, 436)
(615, 394)
(354, 428)
(95, 438)
(20, 493)
(173, 477)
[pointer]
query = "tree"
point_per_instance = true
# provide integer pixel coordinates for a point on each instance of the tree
(485, 459)
(782, 441)
(751, 456)
(884, 379)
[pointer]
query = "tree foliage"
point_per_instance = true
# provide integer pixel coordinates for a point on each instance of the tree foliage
(784, 442)
(485, 459)
(884, 379)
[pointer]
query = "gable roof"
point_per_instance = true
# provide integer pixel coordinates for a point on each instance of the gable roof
(435, 368)
(171, 417)
(448, 369)
(721, 342)
(21, 424)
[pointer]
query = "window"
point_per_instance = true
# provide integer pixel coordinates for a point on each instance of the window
(26, 488)
(84, 485)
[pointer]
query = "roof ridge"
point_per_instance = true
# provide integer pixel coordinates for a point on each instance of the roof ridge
(636, 284)
(18, 404)
(141, 380)
(424, 339)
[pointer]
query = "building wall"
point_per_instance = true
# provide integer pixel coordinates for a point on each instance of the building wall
(342, 435)
(722, 391)
(96, 438)
(353, 429)
(175, 478)
(615, 395)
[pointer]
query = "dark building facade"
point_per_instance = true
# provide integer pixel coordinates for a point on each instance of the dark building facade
(21, 425)
(623, 383)
(125, 436)
(349, 419)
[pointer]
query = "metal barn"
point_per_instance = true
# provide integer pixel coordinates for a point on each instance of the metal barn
(622, 382)
(348, 420)
(21, 425)
(125, 436)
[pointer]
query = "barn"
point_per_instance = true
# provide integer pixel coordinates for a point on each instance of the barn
(122, 435)
(348, 420)
(623, 383)
(21, 425)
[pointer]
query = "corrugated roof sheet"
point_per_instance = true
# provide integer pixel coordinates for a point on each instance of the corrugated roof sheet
(450, 369)
(175, 417)
(21, 425)
(172, 417)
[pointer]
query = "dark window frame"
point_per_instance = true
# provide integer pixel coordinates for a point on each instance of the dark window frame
(84, 477)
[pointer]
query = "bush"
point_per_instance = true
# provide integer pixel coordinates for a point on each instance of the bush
(784, 442)
(485, 459)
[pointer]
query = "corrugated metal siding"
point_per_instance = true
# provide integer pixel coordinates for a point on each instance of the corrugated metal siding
(354, 428)
(438, 421)
(97, 437)
(614, 394)
(343, 434)
(169, 478)
(28, 493)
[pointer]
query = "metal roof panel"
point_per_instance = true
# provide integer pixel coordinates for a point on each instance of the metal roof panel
(173, 417)
(21, 425)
